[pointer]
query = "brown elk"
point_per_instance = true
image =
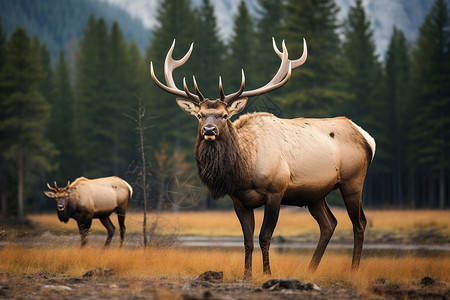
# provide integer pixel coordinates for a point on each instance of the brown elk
(260, 159)
(86, 199)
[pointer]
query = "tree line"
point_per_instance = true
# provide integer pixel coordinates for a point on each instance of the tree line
(61, 122)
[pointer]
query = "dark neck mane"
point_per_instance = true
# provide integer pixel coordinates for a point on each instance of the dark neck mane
(219, 164)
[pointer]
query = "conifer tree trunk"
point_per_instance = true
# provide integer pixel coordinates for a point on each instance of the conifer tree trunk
(20, 214)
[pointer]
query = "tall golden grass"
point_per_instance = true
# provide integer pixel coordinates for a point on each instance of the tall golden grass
(292, 222)
(181, 263)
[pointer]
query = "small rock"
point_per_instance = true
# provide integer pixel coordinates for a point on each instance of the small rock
(101, 272)
(312, 287)
(427, 281)
(289, 284)
(74, 280)
(210, 276)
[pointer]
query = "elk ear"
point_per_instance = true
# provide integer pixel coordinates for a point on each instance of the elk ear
(236, 106)
(49, 194)
(188, 106)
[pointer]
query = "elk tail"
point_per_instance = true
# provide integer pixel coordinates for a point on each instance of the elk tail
(129, 188)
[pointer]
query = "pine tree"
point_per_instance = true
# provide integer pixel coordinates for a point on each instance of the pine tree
(267, 26)
(120, 96)
(26, 114)
(176, 20)
(211, 51)
(367, 107)
(45, 60)
(242, 52)
(3, 144)
(94, 111)
(397, 95)
(61, 127)
(313, 90)
(430, 134)
(363, 66)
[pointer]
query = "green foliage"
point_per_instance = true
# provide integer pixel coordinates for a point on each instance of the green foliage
(429, 135)
(242, 52)
(431, 91)
(211, 51)
(103, 94)
(61, 126)
(176, 21)
(398, 98)
(26, 151)
(313, 89)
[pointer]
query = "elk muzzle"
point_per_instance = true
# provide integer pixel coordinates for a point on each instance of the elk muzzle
(209, 132)
(60, 206)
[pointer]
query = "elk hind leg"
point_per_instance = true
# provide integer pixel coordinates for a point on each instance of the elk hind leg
(121, 218)
(327, 223)
(110, 228)
(353, 203)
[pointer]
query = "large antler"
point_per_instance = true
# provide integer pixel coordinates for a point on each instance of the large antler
(56, 188)
(171, 64)
(281, 77)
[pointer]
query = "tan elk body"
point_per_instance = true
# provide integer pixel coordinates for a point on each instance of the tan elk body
(261, 160)
(87, 199)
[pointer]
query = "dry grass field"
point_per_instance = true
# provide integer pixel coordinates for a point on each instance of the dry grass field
(292, 222)
(177, 263)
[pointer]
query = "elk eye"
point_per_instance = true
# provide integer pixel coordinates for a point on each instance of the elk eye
(225, 117)
(199, 116)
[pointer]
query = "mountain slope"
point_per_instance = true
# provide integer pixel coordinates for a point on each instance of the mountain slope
(59, 24)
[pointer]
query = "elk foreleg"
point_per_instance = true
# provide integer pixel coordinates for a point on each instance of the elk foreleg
(247, 219)
(83, 226)
(327, 223)
(110, 228)
(271, 212)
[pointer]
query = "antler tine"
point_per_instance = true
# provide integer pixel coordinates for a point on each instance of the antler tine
(281, 77)
(200, 96)
(171, 64)
(297, 62)
(229, 98)
(50, 188)
(222, 94)
(56, 186)
(68, 183)
(190, 95)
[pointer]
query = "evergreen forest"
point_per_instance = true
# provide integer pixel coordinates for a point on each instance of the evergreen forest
(71, 117)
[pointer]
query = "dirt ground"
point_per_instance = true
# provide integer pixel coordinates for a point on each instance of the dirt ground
(98, 283)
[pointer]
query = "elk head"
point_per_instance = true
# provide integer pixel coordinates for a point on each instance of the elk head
(61, 195)
(214, 115)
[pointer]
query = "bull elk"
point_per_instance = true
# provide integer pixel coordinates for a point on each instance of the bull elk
(85, 199)
(260, 159)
